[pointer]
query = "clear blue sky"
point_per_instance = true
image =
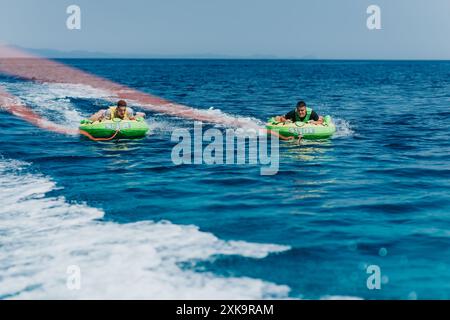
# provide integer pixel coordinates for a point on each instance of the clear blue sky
(411, 29)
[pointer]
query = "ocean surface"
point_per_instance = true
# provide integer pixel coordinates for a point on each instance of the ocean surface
(138, 226)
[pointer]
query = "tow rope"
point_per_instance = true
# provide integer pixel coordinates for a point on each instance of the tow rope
(87, 134)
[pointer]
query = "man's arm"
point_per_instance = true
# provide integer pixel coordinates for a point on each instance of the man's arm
(132, 116)
(98, 116)
(130, 113)
(288, 116)
(316, 119)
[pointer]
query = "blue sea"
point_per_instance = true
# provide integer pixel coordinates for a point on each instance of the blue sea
(135, 225)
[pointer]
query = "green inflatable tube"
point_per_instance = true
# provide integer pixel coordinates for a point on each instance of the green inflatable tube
(306, 130)
(127, 129)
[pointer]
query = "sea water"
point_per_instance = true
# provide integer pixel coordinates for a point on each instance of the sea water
(136, 225)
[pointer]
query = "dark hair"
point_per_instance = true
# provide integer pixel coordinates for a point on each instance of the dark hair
(301, 104)
(121, 103)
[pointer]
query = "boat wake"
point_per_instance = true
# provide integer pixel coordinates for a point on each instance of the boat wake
(53, 101)
(44, 237)
(53, 83)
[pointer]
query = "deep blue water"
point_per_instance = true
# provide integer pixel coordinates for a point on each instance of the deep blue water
(376, 194)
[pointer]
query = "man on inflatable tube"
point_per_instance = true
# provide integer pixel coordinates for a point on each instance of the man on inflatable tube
(301, 113)
(121, 111)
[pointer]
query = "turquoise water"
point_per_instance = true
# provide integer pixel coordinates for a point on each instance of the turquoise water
(375, 194)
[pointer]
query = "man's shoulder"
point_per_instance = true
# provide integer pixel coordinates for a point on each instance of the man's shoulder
(291, 113)
(314, 115)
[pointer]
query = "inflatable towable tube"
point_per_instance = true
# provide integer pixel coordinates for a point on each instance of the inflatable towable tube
(119, 129)
(306, 130)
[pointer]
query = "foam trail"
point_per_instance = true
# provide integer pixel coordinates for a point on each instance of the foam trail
(18, 63)
(13, 105)
(52, 100)
(42, 236)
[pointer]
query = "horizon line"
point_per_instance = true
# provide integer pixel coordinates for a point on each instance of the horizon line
(83, 54)
(232, 58)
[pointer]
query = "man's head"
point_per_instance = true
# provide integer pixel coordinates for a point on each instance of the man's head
(121, 109)
(301, 109)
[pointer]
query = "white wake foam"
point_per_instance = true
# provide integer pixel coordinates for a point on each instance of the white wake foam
(229, 119)
(52, 100)
(343, 128)
(41, 236)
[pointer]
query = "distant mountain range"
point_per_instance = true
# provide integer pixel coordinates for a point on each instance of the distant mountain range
(80, 54)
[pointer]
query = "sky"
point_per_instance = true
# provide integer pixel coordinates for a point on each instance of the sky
(321, 29)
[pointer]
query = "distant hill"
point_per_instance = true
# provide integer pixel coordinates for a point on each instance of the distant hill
(80, 54)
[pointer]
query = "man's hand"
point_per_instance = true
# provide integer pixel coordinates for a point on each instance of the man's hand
(281, 119)
(98, 116)
(320, 121)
